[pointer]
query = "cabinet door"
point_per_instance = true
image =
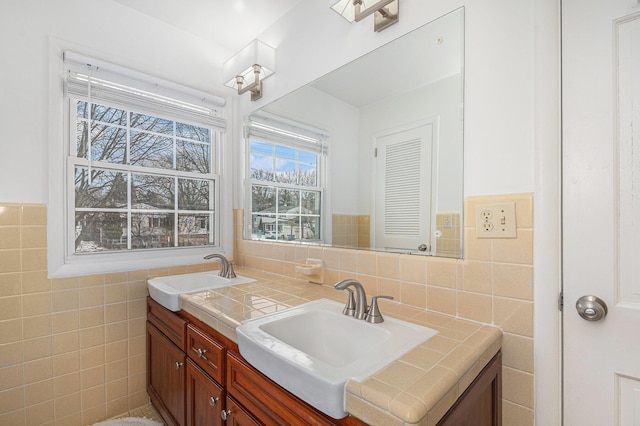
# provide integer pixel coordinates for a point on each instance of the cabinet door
(236, 416)
(205, 398)
(166, 376)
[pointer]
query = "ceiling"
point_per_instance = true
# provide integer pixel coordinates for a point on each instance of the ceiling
(229, 24)
(425, 55)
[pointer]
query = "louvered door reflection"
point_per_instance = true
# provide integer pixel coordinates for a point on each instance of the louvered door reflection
(403, 189)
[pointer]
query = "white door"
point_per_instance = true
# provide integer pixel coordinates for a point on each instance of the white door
(601, 210)
(403, 189)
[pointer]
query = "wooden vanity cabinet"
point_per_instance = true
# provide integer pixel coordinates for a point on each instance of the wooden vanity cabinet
(481, 403)
(196, 376)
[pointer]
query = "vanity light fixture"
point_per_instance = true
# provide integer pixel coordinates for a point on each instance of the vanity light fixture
(247, 68)
(385, 11)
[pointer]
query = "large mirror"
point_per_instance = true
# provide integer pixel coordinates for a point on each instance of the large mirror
(378, 144)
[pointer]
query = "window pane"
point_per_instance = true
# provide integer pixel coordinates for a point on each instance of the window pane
(290, 227)
(81, 139)
(151, 151)
(285, 152)
(308, 158)
(81, 109)
(310, 228)
(152, 192)
(100, 231)
(263, 226)
(106, 189)
(311, 202)
(106, 114)
(286, 171)
(152, 230)
(288, 201)
(263, 199)
(193, 157)
(193, 230)
(108, 143)
(308, 175)
(261, 167)
(151, 123)
(192, 132)
(261, 148)
(193, 194)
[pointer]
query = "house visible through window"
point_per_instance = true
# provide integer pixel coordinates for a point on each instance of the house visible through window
(142, 171)
(286, 163)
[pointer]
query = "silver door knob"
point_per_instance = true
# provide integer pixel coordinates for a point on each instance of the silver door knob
(591, 308)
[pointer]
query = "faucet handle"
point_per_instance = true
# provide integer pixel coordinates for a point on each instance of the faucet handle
(373, 315)
(350, 307)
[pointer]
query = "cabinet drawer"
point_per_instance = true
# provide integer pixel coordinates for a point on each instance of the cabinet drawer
(271, 404)
(167, 322)
(206, 352)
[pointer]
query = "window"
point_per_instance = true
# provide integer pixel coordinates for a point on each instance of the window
(140, 181)
(143, 160)
(285, 167)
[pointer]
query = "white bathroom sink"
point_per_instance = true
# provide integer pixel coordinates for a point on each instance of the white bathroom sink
(167, 290)
(312, 350)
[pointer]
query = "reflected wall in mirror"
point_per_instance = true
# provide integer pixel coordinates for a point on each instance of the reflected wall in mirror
(370, 156)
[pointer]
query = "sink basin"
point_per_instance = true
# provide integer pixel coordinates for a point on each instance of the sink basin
(167, 290)
(312, 350)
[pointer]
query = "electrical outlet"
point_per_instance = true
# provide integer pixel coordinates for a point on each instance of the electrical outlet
(448, 221)
(496, 220)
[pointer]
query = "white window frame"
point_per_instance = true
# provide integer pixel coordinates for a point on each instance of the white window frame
(74, 161)
(286, 132)
(62, 261)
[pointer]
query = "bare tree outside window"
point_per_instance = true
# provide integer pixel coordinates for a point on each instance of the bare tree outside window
(141, 181)
(285, 199)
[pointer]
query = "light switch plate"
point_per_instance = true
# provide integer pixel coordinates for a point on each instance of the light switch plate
(496, 220)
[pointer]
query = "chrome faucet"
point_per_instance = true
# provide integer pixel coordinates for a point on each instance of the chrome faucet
(225, 270)
(361, 300)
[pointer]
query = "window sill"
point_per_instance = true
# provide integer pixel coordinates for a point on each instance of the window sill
(118, 262)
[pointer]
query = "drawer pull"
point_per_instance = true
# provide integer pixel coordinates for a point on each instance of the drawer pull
(178, 365)
(201, 352)
(225, 414)
(213, 400)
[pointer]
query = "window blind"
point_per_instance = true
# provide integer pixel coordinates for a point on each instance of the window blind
(288, 132)
(89, 77)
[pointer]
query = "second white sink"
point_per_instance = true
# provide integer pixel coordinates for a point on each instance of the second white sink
(312, 350)
(167, 290)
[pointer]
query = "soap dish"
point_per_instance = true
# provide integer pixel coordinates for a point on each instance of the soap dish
(312, 269)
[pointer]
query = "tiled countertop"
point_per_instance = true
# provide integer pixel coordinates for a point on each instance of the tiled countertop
(417, 388)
